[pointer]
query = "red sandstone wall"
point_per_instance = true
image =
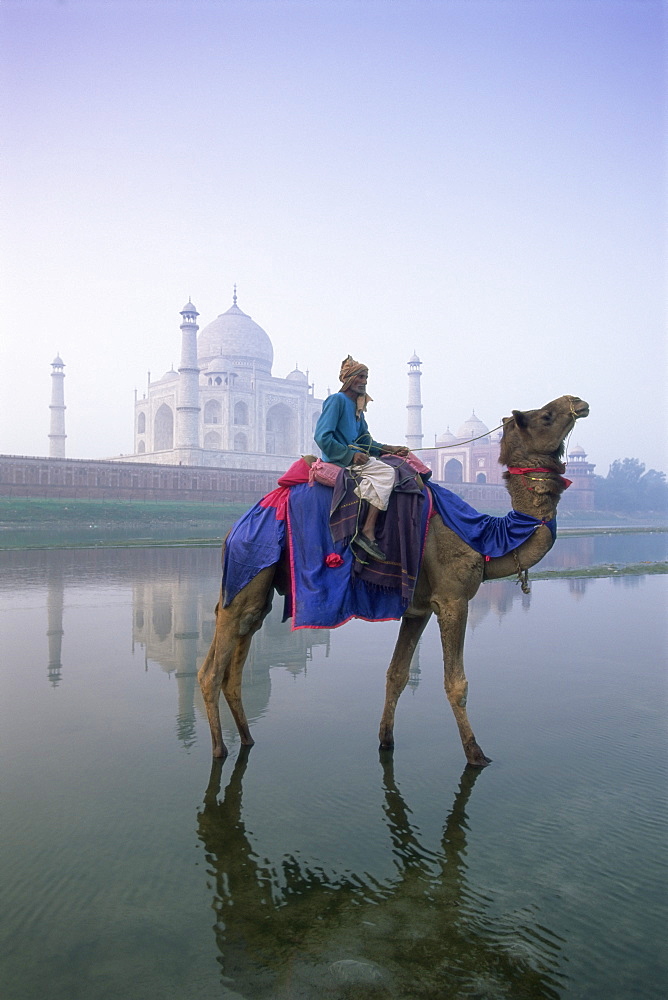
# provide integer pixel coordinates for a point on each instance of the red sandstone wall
(88, 479)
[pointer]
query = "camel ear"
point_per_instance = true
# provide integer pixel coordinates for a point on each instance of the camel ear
(520, 418)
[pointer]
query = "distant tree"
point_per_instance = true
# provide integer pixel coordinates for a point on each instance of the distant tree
(627, 487)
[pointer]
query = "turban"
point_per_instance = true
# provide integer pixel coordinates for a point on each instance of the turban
(350, 369)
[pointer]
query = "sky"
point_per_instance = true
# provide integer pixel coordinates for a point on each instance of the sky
(479, 181)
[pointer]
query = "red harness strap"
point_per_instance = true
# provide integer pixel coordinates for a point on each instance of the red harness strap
(515, 471)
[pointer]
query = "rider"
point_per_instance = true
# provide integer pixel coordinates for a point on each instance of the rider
(343, 436)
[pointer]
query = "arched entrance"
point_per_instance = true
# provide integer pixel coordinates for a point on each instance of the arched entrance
(163, 429)
(212, 441)
(453, 471)
(280, 431)
(212, 412)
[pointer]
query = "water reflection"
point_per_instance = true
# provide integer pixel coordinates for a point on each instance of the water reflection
(607, 548)
(291, 929)
(55, 600)
(174, 621)
(173, 593)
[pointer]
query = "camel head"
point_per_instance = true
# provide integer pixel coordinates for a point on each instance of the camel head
(536, 437)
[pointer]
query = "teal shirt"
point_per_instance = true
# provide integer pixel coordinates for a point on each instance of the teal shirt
(338, 430)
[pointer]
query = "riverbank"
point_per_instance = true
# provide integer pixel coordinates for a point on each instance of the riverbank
(37, 523)
(55, 523)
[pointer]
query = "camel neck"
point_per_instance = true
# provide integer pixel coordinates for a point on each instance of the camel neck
(536, 491)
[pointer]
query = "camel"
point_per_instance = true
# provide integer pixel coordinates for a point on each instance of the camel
(451, 572)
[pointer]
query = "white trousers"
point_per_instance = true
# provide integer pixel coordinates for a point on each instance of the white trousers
(375, 481)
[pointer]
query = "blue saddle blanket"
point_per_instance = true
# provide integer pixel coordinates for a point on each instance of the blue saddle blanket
(325, 588)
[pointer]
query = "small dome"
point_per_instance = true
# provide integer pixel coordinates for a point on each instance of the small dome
(447, 438)
(472, 428)
(58, 361)
(240, 341)
(189, 308)
(578, 451)
(296, 376)
(414, 360)
(217, 366)
(168, 376)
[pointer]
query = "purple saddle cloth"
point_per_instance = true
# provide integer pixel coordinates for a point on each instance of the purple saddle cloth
(314, 527)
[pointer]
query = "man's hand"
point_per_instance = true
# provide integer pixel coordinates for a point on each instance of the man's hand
(359, 458)
(395, 449)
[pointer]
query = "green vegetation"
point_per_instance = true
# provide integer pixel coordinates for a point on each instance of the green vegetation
(32, 512)
(629, 569)
(58, 523)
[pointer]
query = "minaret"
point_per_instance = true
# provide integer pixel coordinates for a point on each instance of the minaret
(57, 433)
(188, 408)
(414, 422)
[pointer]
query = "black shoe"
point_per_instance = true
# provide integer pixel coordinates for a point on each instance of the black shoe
(370, 547)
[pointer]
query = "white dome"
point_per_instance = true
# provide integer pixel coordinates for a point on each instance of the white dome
(241, 342)
(472, 428)
(296, 376)
(447, 438)
(215, 367)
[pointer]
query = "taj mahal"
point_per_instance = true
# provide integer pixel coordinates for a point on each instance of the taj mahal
(223, 407)
(224, 423)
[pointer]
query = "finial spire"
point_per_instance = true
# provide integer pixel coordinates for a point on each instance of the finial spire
(234, 296)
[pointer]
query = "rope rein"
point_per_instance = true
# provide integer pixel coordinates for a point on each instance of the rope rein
(441, 447)
(522, 574)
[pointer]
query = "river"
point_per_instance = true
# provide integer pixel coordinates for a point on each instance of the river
(313, 867)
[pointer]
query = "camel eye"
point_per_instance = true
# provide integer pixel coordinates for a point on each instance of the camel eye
(547, 418)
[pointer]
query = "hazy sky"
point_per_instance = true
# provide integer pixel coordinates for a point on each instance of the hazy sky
(481, 182)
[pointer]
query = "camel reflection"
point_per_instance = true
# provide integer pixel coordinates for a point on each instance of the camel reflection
(291, 930)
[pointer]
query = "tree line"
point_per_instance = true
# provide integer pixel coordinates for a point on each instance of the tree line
(628, 487)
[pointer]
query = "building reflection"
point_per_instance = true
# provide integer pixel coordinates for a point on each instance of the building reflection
(174, 622)
(284, 927)
(55, 600)
(571, 552)
(174, 591)
(496, 597)
(577, 586)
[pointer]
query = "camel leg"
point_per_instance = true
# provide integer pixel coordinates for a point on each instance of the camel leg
(232, 685)
(397, 673)
(224, 663)
(452, 615)
(212, 674)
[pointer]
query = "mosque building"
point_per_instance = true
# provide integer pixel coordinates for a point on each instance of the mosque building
(468, 461)
(223, 407)
(469, 456)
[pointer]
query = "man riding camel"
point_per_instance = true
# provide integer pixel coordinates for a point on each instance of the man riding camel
(344, 439)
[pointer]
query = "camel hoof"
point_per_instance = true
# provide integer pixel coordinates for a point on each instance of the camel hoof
(481, 761)
(220, 753)
(386, 745)
(475, 757)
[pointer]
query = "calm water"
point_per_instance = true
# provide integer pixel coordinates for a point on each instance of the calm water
(312, 867)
